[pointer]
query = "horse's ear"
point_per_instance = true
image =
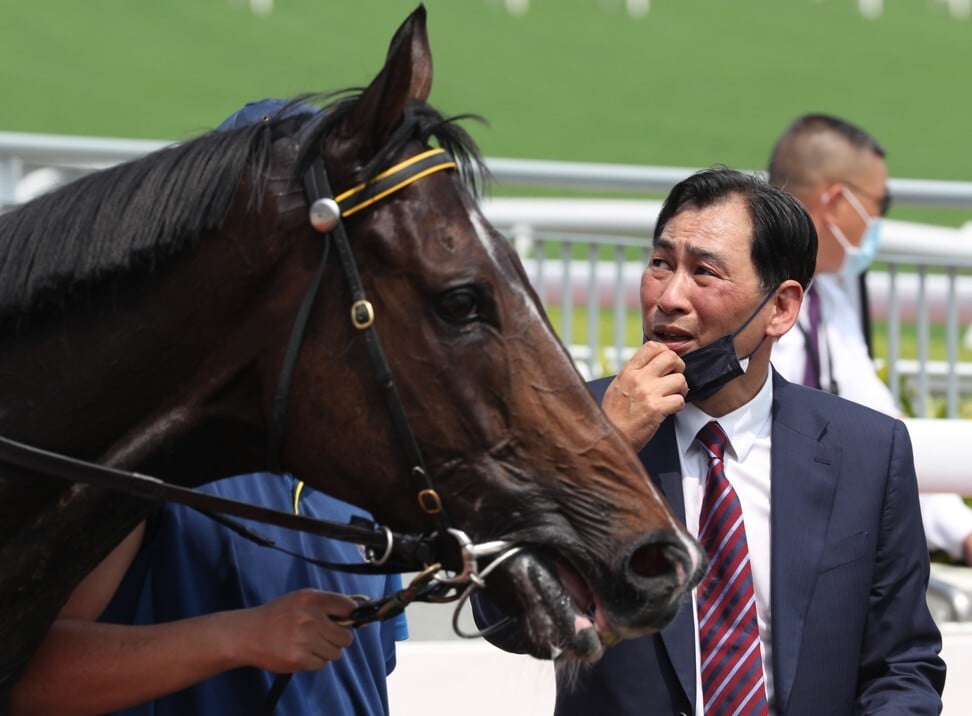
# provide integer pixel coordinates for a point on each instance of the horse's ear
(407, 74)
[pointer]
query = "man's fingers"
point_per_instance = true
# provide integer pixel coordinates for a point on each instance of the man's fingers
(334, 634)
(330, 646)
(330, 603)
(645, 353)
(655, 358)
(637, 391)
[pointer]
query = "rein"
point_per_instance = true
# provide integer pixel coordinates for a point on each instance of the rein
(389, 551)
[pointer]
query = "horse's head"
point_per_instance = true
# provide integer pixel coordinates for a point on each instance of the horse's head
(146, 313)
(513, 443)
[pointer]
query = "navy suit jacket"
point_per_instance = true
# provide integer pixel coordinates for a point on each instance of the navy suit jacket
(851, 631)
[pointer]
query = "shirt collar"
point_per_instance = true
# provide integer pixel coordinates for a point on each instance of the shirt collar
(743, 426)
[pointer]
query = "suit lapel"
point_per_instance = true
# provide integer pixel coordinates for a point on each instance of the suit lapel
(804, 480)
(660, 458)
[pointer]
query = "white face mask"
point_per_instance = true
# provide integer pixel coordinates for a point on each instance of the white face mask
(857, 259)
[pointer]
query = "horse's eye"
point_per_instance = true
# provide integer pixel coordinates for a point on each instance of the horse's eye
(460, 305)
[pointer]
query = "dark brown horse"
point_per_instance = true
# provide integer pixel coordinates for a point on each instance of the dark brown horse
(145, 313)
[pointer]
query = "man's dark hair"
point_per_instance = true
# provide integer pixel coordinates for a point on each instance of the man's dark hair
(784, 241)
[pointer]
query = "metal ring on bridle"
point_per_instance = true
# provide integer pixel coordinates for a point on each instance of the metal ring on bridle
(470, 555)
(476, 583)
(429, 501)
(389, 541)
(362, 314)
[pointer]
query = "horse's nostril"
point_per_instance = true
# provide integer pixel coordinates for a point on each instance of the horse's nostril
(650, 560)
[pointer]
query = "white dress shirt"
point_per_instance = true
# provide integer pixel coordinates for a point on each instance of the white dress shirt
(747, 468)
(845, 366)
(847, 370)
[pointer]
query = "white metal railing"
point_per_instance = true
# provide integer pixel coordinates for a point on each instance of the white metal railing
(926, 279)
(658, 180)
(21, 152)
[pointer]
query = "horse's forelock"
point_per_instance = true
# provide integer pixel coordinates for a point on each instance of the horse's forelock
(421, 123)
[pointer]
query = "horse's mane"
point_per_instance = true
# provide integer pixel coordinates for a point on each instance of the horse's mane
(128, 218)
(136, 216)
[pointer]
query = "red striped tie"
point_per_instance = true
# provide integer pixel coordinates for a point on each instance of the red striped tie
(732, 670)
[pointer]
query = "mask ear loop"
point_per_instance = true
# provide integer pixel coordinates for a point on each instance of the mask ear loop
(855, 203)
(750, 320)
(859, 208)
(830, 192)
(838, 233)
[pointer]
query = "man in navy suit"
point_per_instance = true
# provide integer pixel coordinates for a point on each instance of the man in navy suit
(827, 488)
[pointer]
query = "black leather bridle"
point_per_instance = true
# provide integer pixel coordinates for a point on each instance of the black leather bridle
(447, 560)
(325, 214)
(445, 556)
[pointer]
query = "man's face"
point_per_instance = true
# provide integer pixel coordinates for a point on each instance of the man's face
(851, 202)
(869, 187)
(700, 283)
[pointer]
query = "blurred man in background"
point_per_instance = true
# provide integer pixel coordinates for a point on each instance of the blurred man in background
(839, 173)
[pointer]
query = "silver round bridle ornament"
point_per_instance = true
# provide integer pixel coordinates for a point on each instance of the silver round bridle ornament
(324, 214)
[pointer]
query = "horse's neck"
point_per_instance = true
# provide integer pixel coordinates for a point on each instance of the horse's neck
(119, 387)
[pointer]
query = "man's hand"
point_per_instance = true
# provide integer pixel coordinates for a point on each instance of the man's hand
(294, 632)
(86, 667)
(646, 391)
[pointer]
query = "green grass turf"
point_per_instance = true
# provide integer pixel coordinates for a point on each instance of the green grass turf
(695, 82)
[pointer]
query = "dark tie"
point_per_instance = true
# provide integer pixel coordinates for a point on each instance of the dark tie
(811, 373)
(732, 670)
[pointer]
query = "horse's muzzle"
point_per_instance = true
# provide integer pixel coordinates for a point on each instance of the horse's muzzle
(567, 611)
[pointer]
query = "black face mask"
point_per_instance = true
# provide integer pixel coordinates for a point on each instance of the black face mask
(713, 365)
